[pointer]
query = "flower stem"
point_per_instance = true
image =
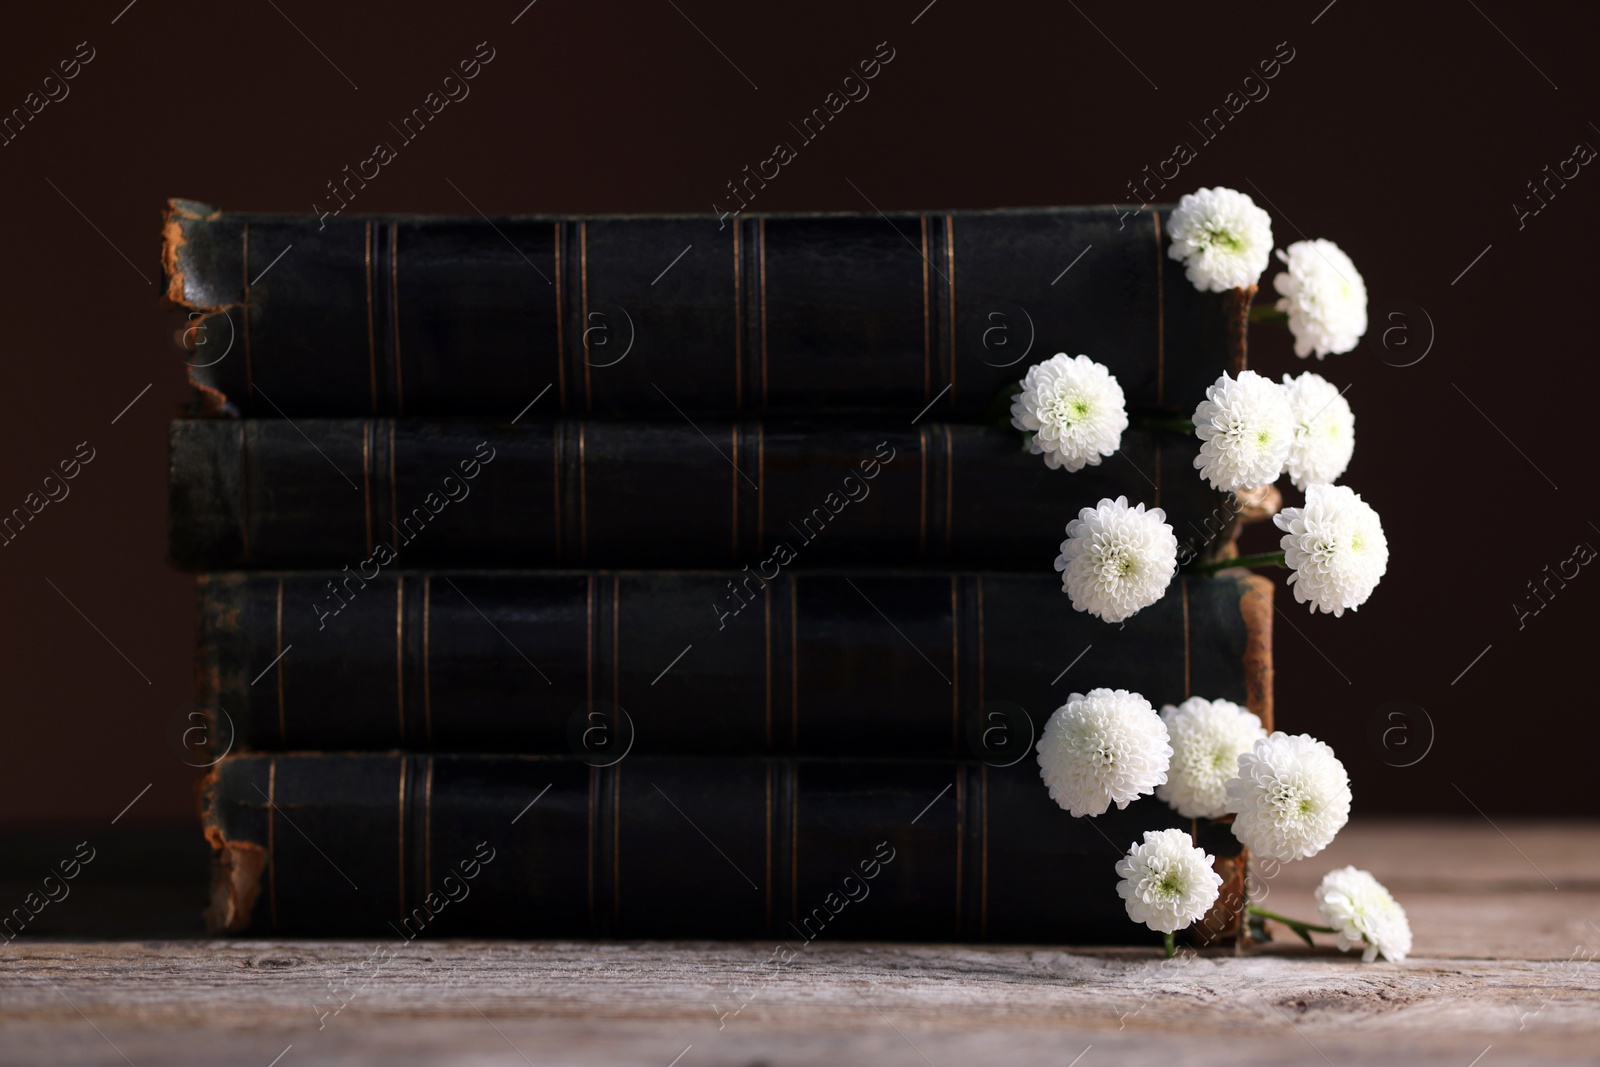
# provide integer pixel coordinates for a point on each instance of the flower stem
(1267, 313)
(1176, 424)
(1259, 559)
(1295, 924)
(1172, 949)
(1290, 922)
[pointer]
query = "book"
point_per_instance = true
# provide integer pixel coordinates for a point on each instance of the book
(604, 665)
(420, 845)
(330, 315)
(356, 493)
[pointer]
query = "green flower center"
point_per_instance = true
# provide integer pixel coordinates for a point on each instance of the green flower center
(1068, 408)
(1225, 240)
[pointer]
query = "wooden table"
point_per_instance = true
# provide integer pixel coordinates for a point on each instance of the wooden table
(1507, 924)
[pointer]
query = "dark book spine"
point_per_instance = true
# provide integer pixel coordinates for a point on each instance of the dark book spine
(403, 847)
(768, 495)
(341, 314)
(608, 665)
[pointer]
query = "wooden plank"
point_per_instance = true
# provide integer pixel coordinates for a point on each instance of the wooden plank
(204, 1002)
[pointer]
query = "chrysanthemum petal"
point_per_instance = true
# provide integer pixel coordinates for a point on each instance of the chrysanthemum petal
(1074, 409)
(1246, 428)
(1290, 798)
(1207, 737)
(1222, 238)
(1117, 559)
(1364, 913)
(1324, 297)
(1167, 883)
(1101, 748)
(1336, 548)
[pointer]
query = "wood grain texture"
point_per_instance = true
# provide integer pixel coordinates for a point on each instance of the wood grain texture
(1503, 972)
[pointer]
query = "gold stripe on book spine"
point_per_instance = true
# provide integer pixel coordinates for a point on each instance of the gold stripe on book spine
(794, 841)
(244, 493)
(761, 484)
(366, 479)
(561, 348)
(556, 439)
(733, 478)
(927, 330)
(738, 327)
(244, 312)
(766, 646)
(922, 499)
(427, 829)
(761, 252)
(588, 645)
(583, 493)
(616, 644)
(583, 302)
(767, 881)
(272, 851)
(950, 260)
(616, 845)
(955, 660)
(794, 661)
(400, 657)
(394, 490)
(372, 340)
(983, 891)
(961, 834)
(949, 478)
(394, 291)
(594, 779)
(400, 852)
(427, 662)
(980, 642)
(283, 729)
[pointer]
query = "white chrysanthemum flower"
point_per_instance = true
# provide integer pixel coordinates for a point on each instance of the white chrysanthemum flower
(1336, 548)
(1324, 296)
(1106, 747)
(1167, 882)
(1324, 430)
(1117, 559)
(1207, 737)
(1222, 238)
(1246, 428)
(1362, 911)
(1291, 797)
(1075, 410)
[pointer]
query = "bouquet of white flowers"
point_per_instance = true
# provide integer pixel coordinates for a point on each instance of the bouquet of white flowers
(1287, 796)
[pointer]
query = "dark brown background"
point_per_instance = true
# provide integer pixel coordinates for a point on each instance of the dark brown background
(1404, 132)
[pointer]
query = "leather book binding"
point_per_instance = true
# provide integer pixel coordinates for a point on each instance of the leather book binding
(356, 493)
(300, 315)
(607, 664)
(400, 846)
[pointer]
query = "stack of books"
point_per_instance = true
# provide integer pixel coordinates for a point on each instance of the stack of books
(677, 576)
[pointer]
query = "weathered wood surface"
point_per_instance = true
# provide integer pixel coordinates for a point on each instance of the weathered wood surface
(1504, 973)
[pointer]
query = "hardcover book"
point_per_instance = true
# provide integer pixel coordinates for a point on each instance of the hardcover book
(635, 845)
(382, 844)
(333, 493)
(597, 664)
(299, 315)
